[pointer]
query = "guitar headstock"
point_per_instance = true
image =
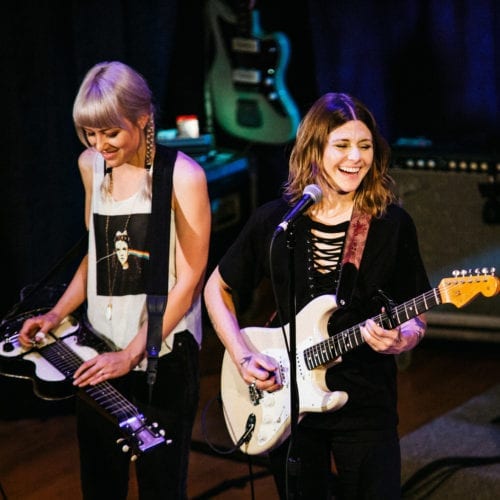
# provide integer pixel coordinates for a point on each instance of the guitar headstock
(140, 436)
(464, 286)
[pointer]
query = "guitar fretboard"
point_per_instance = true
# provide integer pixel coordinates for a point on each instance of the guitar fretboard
(104, 394)
(347, 340)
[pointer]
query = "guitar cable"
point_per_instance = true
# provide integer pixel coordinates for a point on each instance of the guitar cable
(246, 436)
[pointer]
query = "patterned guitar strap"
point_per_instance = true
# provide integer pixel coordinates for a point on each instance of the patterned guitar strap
(353, 251)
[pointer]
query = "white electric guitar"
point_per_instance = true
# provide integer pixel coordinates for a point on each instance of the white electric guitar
(259, 421)
(50, 365)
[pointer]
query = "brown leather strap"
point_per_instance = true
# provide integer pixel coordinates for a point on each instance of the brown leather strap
(353, 252)
(356, 237)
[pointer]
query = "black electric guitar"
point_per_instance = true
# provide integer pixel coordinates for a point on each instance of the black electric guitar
(262, 418)
(246, 80)
(50, 365)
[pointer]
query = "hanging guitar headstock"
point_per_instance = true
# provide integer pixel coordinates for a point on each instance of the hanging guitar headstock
(139, 436)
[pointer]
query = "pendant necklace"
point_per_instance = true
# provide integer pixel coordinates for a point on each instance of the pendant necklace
(113, 266)
(112, 263)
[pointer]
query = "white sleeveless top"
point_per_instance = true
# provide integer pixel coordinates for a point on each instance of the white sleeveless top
(116, 297)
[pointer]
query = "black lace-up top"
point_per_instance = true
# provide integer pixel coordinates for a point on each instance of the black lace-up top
(324, 247)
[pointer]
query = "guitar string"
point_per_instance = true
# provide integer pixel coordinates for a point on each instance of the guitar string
(313, 354)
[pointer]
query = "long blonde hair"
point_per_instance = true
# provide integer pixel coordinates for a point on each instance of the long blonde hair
(329, 112)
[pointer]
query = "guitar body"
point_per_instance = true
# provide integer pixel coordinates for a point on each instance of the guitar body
(247, 79)
(272, 410)
(48, 382)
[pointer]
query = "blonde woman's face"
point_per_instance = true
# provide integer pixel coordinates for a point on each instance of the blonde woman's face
(117, 145)
(348, 155)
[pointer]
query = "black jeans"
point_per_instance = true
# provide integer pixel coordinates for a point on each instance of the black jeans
(161, 471)
(367, 468)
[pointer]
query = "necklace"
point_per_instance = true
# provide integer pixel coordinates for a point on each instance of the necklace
(113, 266)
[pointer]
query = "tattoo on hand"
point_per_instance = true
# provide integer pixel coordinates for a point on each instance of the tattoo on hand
(245, 360)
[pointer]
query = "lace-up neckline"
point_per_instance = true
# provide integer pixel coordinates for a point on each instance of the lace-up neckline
(325, 245)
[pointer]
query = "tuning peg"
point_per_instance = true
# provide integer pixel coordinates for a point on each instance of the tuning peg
(157, 429)
(125, 447)
(133, 458)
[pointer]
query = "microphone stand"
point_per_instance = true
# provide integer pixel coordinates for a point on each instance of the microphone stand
(293, 463)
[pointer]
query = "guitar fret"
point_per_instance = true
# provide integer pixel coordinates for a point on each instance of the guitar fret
(332, 353)
(104, 394)
(323, 352)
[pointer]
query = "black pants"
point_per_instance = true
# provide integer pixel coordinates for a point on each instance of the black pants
(161, 471)
(366, 468)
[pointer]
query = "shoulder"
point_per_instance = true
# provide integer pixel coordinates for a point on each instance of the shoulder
(188, 172)
(395, 221)
(265, 218)
(86, 162)
(398, 214)
(87, 158)
(272, 209)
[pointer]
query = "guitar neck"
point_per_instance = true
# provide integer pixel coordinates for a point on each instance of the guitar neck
(351, 338)
(244, 19)
(103, 394)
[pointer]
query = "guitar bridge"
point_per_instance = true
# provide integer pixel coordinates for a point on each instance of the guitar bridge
(255, 394)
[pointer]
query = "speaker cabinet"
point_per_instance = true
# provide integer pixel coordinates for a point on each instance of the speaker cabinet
(447, 208)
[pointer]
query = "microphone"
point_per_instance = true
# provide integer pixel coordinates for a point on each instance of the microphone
(311, 195)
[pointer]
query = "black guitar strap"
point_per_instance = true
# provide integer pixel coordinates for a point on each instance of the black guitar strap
(158, 237)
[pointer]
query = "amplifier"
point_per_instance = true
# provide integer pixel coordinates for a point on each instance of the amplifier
(430, 159)
(447, 207)
(232, 190)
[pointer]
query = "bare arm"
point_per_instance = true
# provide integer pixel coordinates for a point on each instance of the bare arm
(76, 292)
(254, 367)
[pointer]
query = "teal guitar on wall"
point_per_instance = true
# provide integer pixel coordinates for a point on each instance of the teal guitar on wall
(247, 77)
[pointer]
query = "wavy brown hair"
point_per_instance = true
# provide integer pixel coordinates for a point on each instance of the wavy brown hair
(329, 112)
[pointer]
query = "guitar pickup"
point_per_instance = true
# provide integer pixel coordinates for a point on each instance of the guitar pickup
(245, 45)
(247, 76)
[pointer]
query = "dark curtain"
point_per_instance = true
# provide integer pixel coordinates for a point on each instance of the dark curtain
(425, 68)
